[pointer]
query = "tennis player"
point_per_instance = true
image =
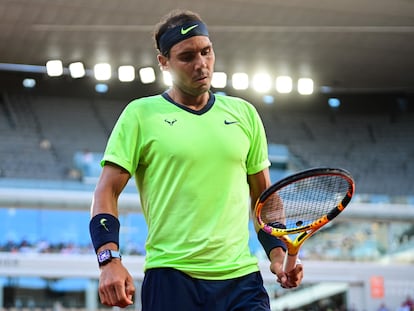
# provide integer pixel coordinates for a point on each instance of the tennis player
(196, 158)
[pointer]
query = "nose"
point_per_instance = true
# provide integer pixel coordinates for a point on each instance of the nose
(200, 61)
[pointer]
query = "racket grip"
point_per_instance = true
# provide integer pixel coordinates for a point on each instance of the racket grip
(290, 262)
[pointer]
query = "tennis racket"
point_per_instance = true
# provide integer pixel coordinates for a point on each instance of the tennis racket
(297, 206)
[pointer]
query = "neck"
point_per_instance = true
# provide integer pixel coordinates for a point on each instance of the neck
(194, 102)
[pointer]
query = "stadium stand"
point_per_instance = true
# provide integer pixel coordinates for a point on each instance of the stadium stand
(377, 149)
(50, 130)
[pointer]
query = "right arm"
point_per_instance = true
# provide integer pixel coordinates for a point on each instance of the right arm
(116, 286)
(112, 181)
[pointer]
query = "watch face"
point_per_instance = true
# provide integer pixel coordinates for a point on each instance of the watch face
(104, 256)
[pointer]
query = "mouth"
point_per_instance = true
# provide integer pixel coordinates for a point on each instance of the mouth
(201, 78)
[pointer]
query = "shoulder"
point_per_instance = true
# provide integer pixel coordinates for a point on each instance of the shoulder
(145, 101)
(143, 105)
(231, 100)
(236, 105)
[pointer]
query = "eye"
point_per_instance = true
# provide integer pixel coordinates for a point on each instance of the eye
(206, 51)
(187, 57)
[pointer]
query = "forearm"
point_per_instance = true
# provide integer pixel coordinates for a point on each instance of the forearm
(104, 225)
(277, 254)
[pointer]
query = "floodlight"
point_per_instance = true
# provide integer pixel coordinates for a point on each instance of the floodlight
(167, 78)
(102, 71)
(219, 80)
(147, 75)
(126, 73)
(305, 86)
(240, 81)
(262, 82)
(77, 70)
(54, 68)
(284, 84)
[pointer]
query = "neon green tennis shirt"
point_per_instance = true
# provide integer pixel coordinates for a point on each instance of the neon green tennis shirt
(191, 171)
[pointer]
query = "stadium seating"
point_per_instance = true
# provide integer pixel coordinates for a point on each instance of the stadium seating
(41, 135)
(378, 151)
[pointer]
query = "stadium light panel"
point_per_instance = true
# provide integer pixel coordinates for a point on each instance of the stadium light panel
(54, 68)
(240, 81)
(167, 78)
(305, 86)
(77, 70)
(102, 71)
(126, 73)
(29, 83)
(284, 84)
(147, 75)
(334, 102)
(219, 80)
(262, 82)
(269, 99)
(101, 88)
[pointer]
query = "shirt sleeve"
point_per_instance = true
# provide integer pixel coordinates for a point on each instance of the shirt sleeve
(258, 158)
(123, 144)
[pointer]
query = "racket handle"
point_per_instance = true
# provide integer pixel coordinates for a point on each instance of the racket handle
(290, 262)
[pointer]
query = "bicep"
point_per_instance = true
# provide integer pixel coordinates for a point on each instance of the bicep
(258, 183)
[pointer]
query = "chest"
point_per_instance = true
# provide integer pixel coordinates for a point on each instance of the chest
(181, 136)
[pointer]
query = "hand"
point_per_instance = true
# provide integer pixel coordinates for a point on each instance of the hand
(291, 279)
(116, 286)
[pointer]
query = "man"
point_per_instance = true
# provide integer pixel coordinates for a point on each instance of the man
(196, 157)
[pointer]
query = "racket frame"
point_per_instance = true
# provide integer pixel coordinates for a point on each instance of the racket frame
(306, 231)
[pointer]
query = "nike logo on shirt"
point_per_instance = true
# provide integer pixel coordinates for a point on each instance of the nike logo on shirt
(230, 122)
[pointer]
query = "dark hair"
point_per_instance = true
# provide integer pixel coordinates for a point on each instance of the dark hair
(174, 18)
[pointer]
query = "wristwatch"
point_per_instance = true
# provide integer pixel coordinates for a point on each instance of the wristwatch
(106, 256)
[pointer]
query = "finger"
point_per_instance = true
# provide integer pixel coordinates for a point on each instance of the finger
(123, 298)
(105, 296)
(130, 290)
(113, 296)
(296, 275)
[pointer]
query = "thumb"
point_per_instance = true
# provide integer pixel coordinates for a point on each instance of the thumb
(130, 289)
(282, 278)
(277, 269)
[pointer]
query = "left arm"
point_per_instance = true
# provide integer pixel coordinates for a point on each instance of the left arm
(258, 183)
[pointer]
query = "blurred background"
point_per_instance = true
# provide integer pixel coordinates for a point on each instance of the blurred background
(332, 80)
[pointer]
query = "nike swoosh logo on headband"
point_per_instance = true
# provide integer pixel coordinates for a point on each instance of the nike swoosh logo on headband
(185, 31)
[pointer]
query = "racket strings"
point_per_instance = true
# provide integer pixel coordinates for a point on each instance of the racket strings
(304, 201)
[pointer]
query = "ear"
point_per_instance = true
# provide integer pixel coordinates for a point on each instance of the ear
(162, 61)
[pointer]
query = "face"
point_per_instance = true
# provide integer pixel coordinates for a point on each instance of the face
(191, 64)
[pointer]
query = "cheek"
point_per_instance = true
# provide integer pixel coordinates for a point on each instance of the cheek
(181, 76)
(212, 61)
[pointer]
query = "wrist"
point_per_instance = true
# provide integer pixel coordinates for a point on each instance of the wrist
(277, 254)
(104, 229)
(270, 242)
(107, 255)
(111, 246)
